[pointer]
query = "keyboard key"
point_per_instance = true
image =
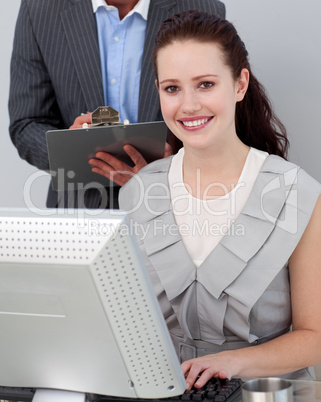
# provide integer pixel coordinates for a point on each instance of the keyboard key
(199, 395)
(211, 394)
(220, 398)
(188, 394)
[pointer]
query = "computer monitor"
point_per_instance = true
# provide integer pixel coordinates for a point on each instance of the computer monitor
(77, 309)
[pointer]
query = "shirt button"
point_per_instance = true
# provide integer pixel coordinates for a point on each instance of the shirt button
(113, 81)
(116, 38)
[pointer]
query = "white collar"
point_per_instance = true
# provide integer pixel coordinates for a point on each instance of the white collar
(141, 7)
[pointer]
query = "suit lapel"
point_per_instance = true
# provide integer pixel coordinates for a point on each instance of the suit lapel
(159, 10)
(78, 22)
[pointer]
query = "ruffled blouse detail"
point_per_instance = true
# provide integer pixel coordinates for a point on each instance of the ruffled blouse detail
(223, 290)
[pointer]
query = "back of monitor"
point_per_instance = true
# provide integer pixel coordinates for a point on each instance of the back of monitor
(77, 310)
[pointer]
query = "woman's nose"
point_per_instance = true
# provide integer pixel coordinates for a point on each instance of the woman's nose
(190, 103)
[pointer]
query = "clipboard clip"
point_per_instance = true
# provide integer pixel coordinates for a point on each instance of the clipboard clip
(104, 116)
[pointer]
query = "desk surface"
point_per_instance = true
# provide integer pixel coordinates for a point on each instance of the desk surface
(303, 391)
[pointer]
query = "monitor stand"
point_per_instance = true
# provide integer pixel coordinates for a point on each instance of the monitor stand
(50, 395)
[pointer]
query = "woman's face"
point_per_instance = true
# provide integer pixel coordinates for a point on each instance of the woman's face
(198, 93)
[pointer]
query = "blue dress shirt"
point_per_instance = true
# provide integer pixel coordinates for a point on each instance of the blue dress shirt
(121, 45)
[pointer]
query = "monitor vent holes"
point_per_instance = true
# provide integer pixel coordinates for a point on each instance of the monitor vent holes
(129, 310)
(45, 241)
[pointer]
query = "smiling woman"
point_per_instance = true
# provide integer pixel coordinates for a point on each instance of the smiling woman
(198, 103)
(217, 43)
(248, 238)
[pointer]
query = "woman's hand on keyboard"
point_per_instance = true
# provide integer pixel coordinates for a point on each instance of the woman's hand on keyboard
(200, 370)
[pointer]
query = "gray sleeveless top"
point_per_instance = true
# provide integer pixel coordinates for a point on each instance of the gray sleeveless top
(240, 295)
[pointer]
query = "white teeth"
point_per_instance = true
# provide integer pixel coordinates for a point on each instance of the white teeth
(194, 123)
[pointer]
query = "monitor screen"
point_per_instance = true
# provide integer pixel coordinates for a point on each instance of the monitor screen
(77, 309)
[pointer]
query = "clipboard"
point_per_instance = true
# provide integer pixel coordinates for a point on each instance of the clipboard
(70, 150)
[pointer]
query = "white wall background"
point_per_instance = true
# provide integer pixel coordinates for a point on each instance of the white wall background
(283, 38)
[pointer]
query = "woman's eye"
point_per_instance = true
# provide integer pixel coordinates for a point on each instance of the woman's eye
(171, 89)
(206, 84)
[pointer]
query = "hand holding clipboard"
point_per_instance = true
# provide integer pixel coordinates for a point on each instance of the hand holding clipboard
(115, 151)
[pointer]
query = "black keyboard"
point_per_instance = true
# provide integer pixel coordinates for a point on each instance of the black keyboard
(213, 391)
(17, 394)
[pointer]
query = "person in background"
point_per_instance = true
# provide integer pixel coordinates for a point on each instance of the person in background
(229, 230)
(71, 56)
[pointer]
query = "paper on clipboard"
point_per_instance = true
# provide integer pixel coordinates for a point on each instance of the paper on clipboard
(70, 150)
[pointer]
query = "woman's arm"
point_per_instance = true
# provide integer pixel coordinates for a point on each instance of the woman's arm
(292, 351)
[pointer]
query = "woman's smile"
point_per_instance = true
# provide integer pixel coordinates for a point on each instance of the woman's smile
(195, 123)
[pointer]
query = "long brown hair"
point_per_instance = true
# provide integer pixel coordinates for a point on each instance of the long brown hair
(256, 123)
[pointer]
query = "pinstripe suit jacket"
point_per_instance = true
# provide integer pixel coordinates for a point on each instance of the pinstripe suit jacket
(56, 75)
